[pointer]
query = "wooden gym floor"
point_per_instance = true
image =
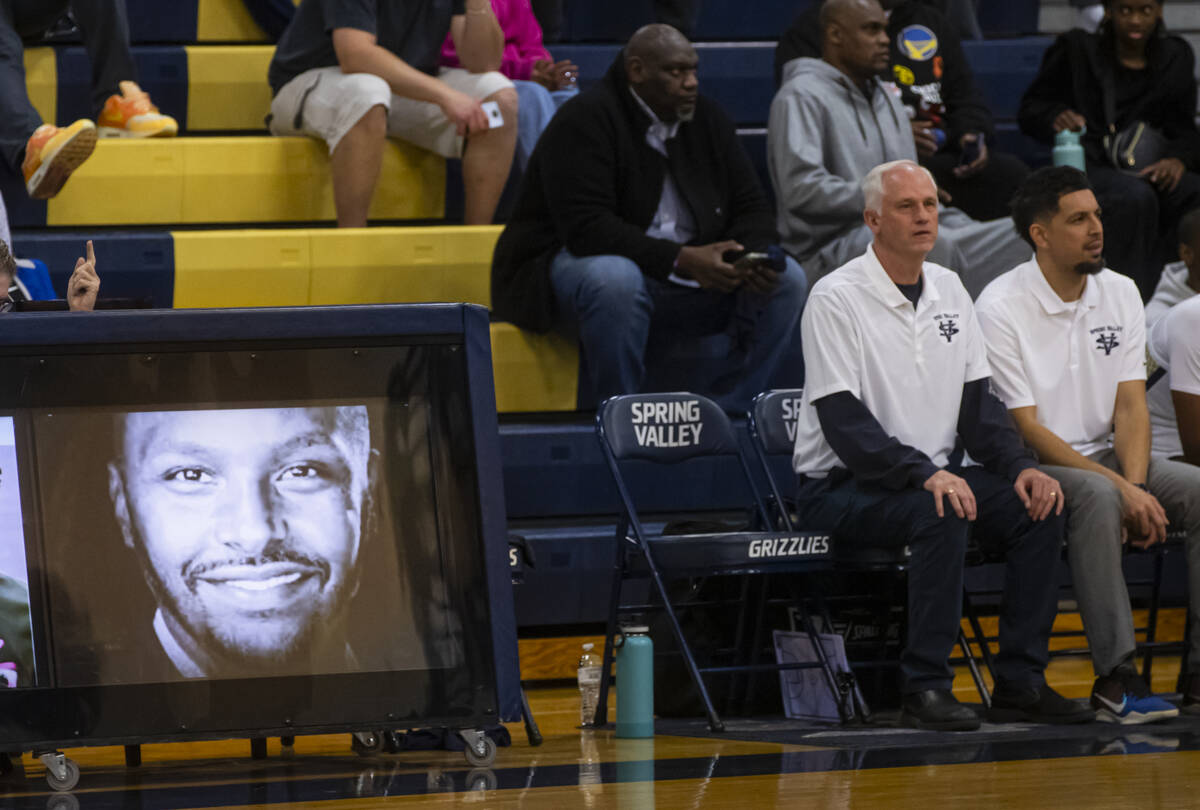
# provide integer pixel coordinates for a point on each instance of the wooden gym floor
(1140, 768)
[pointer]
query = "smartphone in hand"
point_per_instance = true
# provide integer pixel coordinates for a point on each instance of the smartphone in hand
(750, 259)
(971, 150)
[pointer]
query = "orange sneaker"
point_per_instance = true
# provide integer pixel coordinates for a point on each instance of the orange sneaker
(131, 115)
(51, 154)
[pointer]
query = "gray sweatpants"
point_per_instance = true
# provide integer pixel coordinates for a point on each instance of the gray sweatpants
(1094, 551)
(977, 251)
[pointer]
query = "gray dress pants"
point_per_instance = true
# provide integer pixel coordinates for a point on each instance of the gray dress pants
(1094, 551)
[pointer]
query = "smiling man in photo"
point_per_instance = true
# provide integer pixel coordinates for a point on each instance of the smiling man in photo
(248, 524)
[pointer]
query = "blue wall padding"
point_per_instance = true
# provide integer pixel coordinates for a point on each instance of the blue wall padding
(130, 264)
(718, 20)
(159, 21)
(734, 19)
(1012, 18)
(162, 72)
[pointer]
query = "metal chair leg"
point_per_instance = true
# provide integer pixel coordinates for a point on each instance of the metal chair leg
(980, 686)
(1152, 617)
(614, 601)
(985, 650)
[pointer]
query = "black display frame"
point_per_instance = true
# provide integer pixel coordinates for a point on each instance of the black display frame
(478, 694)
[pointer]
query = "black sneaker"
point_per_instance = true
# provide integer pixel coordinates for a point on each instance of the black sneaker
(1030, 705)
(1191, 694)
(937, 710)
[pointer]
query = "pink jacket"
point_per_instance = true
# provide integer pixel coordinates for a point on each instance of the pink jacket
(522, 39)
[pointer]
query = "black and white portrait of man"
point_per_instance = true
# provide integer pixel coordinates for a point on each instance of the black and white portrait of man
(248, 525)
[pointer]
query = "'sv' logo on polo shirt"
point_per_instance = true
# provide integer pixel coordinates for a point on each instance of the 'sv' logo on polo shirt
(1106, 338)
(947, 326)
(1107, 341)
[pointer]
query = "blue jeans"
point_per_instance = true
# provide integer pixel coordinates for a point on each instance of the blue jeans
(616, 310)
(536, 106)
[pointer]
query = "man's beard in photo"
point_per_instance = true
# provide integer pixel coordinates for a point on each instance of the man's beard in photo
(243, 651)
(1090, 268)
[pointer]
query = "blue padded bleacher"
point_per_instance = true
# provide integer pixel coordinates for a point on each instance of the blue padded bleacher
(1014, 18)
(738, 76)
(1004, 68)
(162, 72)
(138, 265)
(722, 20)
(155, 21)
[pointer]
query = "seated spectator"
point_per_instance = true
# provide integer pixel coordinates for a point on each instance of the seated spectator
(542, 84)
(897, 377)
(82, 287)
(1132, 86)
(354, 74)
(1175, 398)
(45, 154)
(831, 122)
(1066, 338)
(1173, 391)
(950, 121)
(1179, 280)
(625, 221)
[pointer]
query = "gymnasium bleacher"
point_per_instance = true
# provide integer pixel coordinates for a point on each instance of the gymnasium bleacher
(225, 215)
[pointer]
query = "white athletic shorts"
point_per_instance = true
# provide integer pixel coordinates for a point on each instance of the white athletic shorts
(326, 103)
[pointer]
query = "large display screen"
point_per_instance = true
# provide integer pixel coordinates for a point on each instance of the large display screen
(298, 523)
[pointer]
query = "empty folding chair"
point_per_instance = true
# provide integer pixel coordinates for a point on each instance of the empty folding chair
(670, 429)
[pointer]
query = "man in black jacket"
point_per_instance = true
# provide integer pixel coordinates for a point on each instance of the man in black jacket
(636, 203)
(952, 126)
(1129, 73)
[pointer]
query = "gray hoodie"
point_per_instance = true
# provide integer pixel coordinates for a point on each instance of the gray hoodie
(823, 137)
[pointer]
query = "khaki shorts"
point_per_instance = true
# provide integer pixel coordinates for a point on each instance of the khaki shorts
(326, 103)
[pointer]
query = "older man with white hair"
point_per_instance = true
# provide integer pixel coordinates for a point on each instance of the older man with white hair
(897, 387)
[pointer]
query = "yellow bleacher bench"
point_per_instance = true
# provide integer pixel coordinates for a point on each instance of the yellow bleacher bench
(301, 266)
(227, 87)
(243, 179)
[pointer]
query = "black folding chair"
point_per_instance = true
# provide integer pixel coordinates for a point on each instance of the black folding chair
(771, 423)
(670, 429)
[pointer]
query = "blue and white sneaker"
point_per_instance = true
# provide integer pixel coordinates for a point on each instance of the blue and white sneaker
(1123, 697)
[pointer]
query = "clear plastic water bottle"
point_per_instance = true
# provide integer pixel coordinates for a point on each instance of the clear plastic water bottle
(589, 685)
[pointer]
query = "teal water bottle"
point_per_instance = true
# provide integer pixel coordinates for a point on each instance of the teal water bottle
(1068, 151)
(635, 683)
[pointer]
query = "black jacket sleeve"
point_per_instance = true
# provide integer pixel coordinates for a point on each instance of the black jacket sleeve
(801, 39)
(1179, 125)
(988, 433)
(966, 110)
(866, 449)
(1050, 93)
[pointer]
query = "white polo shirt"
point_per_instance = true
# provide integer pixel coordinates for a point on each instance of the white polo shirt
(1064, 358)
(1175, 345)
(907, 364)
